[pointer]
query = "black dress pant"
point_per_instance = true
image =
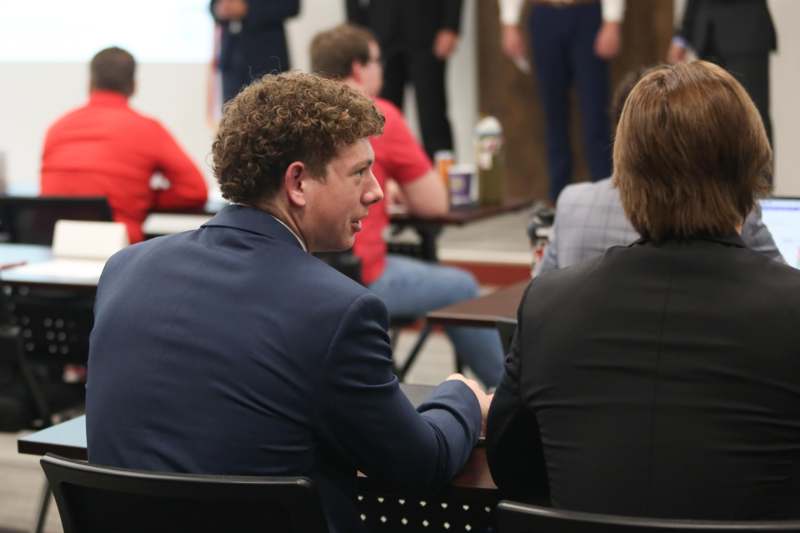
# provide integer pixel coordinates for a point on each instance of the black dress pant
(426, 72)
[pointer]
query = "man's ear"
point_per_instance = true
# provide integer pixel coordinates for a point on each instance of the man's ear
(294, 181)
(356, 71)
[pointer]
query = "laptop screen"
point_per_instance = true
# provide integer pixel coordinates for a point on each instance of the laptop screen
(782, 217)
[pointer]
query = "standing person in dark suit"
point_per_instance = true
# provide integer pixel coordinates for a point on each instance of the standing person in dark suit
(253, 40)
(416, 38)
(738, 35)
(232, 350)
(572, 42)
(662, 378)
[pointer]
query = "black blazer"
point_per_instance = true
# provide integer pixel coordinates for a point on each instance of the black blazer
(657, 380)
(729, 26)
(405, 22)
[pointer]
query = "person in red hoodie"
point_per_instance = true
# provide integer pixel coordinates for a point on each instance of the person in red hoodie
(407, 286)
(105, 148)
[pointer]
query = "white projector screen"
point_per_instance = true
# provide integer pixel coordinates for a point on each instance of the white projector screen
(154, 31)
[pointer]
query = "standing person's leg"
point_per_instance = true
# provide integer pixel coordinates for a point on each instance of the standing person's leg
(394, 75)
(232, 82)
(411, 288)
(547, 27)
(427, 73)
(592, 84)
(752, 71)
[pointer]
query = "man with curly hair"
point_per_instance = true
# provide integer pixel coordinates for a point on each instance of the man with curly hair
(409, 287)
(232, 350)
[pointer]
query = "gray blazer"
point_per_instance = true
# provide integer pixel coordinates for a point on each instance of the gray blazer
(589, 220)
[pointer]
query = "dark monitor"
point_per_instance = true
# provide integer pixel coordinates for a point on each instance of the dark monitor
(32, 219)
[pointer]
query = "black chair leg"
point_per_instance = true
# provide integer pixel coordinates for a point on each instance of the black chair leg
(412, 356)
(44, 506)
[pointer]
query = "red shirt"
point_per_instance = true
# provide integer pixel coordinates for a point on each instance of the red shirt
(105, 148)
(397, 156)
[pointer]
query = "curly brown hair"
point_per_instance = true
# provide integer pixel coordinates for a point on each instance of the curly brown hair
(283, 118)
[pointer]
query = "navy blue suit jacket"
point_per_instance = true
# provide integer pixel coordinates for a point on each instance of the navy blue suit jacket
(230, 350)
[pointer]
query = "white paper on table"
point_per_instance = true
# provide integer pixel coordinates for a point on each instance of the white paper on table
(73, 271)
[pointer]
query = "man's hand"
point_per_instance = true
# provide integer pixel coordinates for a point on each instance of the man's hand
(676, 53)
(230, 9)
(445, 44)
(608, 40)
(483, 399)
(512, 43)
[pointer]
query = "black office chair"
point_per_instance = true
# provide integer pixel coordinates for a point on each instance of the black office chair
(515, 517)
(29, 399)
(32, 219)
(102, 499)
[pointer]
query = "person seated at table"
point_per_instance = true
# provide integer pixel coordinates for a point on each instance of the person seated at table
(662, 378)
(589, 216)
(231, 349)
(105, 148)
(408, 287)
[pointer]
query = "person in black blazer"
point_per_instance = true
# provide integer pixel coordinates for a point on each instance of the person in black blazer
(662, 379)
(737, 35)
(252, 41)
(232, 350)
(416, 38)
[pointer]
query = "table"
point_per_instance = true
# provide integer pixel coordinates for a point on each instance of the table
(466, 505)
(499, 306)
(494, 310)
(15, 254)
(428, 228)
(68, 439)
(61, 273)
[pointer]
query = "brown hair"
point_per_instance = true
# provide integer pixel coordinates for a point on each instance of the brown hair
(621, 92)
(690, 154)
(112, 69)
(333, 51)
(283, 118)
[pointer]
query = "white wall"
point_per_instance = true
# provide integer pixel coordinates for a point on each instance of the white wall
(784, 88)
(33, 95)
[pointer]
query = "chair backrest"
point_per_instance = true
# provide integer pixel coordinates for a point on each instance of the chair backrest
(31, 219)
(515, 517)
(100, 499)
(21, 399)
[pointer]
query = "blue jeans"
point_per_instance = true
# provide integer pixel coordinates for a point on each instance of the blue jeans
(411, 288)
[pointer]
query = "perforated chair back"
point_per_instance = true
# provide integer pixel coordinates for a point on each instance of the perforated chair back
(100, 499)
(522, 518)
(31, 219)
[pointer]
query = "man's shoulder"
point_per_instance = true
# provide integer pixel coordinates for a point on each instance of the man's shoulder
(272, 261)
(600, 192)
(394, 117)
(387, 107)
